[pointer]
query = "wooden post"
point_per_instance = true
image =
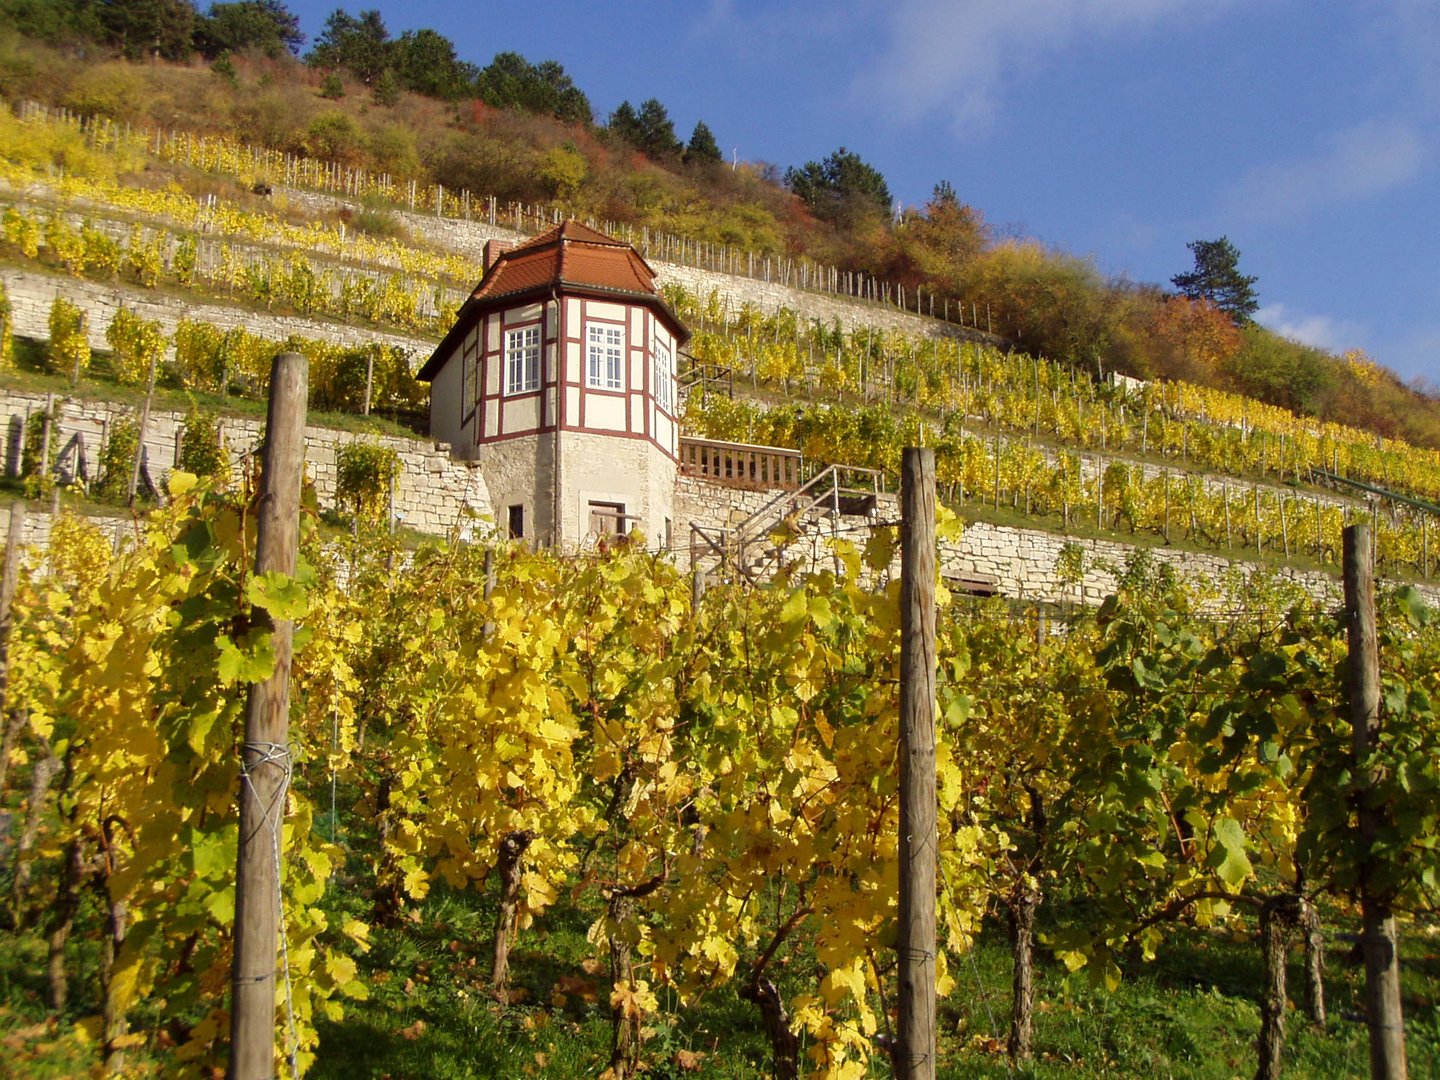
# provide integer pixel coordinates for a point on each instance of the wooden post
(1377, 939)
(9, 580)
(915, 1049)
(489, 589)
(369, 379)
(140, 439)
(46, 423)
(265, 754)
(1166, 477)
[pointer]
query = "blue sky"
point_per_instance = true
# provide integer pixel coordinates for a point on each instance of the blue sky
(1308, 132)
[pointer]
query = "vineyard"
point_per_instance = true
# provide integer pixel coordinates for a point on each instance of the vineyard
(1175, 462)
(573, 814)
(554, 814)
(699, 800)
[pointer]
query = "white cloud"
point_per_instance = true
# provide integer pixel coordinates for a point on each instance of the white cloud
(1363, 161)
(944, 56)
(1321, 331)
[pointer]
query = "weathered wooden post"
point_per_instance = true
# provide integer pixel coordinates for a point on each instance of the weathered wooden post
(918, 847)
(9, 581)
(140, 437)
(265, 754)
(1377, 939)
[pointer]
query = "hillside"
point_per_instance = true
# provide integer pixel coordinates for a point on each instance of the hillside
(626, 173)
(169, 226)
(563, 813)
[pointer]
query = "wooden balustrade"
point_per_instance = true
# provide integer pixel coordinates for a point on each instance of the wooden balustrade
(740, 464)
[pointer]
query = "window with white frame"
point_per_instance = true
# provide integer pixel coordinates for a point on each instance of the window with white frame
(605, 352)
(664, 379)
(522, 360)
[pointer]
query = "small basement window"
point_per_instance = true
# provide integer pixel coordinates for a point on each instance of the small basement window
(608, 519)
(516, 521)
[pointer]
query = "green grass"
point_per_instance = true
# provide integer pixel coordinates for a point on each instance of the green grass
(1190, 1013)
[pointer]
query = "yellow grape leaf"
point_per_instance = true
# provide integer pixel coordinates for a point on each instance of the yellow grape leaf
(1073, 959)
(181, 482)
(850, 979)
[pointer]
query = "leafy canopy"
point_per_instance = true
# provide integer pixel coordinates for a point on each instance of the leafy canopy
(359, 45)
(512, 82)
(264, 25)
(425, 62)
(840, 189)
(649, 129)
(702, 149)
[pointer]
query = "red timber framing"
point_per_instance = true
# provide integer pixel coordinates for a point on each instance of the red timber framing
(564, 282)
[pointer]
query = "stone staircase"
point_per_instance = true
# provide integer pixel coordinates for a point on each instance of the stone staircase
(791, 526)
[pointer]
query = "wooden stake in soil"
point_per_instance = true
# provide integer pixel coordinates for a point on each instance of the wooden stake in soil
(1377, 939)
(9, 580)
(140, 438)
(265, 754)
(915, 1049)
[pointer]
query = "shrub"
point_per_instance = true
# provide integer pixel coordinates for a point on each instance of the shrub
(562, 170)
(117, 460)
(136, 343)
(21, 230)
(65, 244)
(224, 67)
(387, 90)
(201, 452)
(364, 472)
(38, 475)
(116, 90)
(199, 358)
(392, 149)
(183, 262)
(208, 358)
(331, 88)
(102, 253)
(376, 219)
(143, 261)
(69, 352)
(332, 136)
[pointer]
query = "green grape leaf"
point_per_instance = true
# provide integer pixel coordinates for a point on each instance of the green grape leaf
(250, 665)
(279, 594)
(1227, 857)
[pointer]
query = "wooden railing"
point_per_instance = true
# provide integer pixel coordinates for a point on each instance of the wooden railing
(741, 465)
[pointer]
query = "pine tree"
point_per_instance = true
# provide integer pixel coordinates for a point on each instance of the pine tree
(1217, 278)
(702, 149)
(841, 189)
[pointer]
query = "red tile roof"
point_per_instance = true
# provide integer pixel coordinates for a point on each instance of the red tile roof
(569, 254)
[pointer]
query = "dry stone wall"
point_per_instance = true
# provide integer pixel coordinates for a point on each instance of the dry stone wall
(31, 294)
(432, 493)
(469, 237)
(1021, 563)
